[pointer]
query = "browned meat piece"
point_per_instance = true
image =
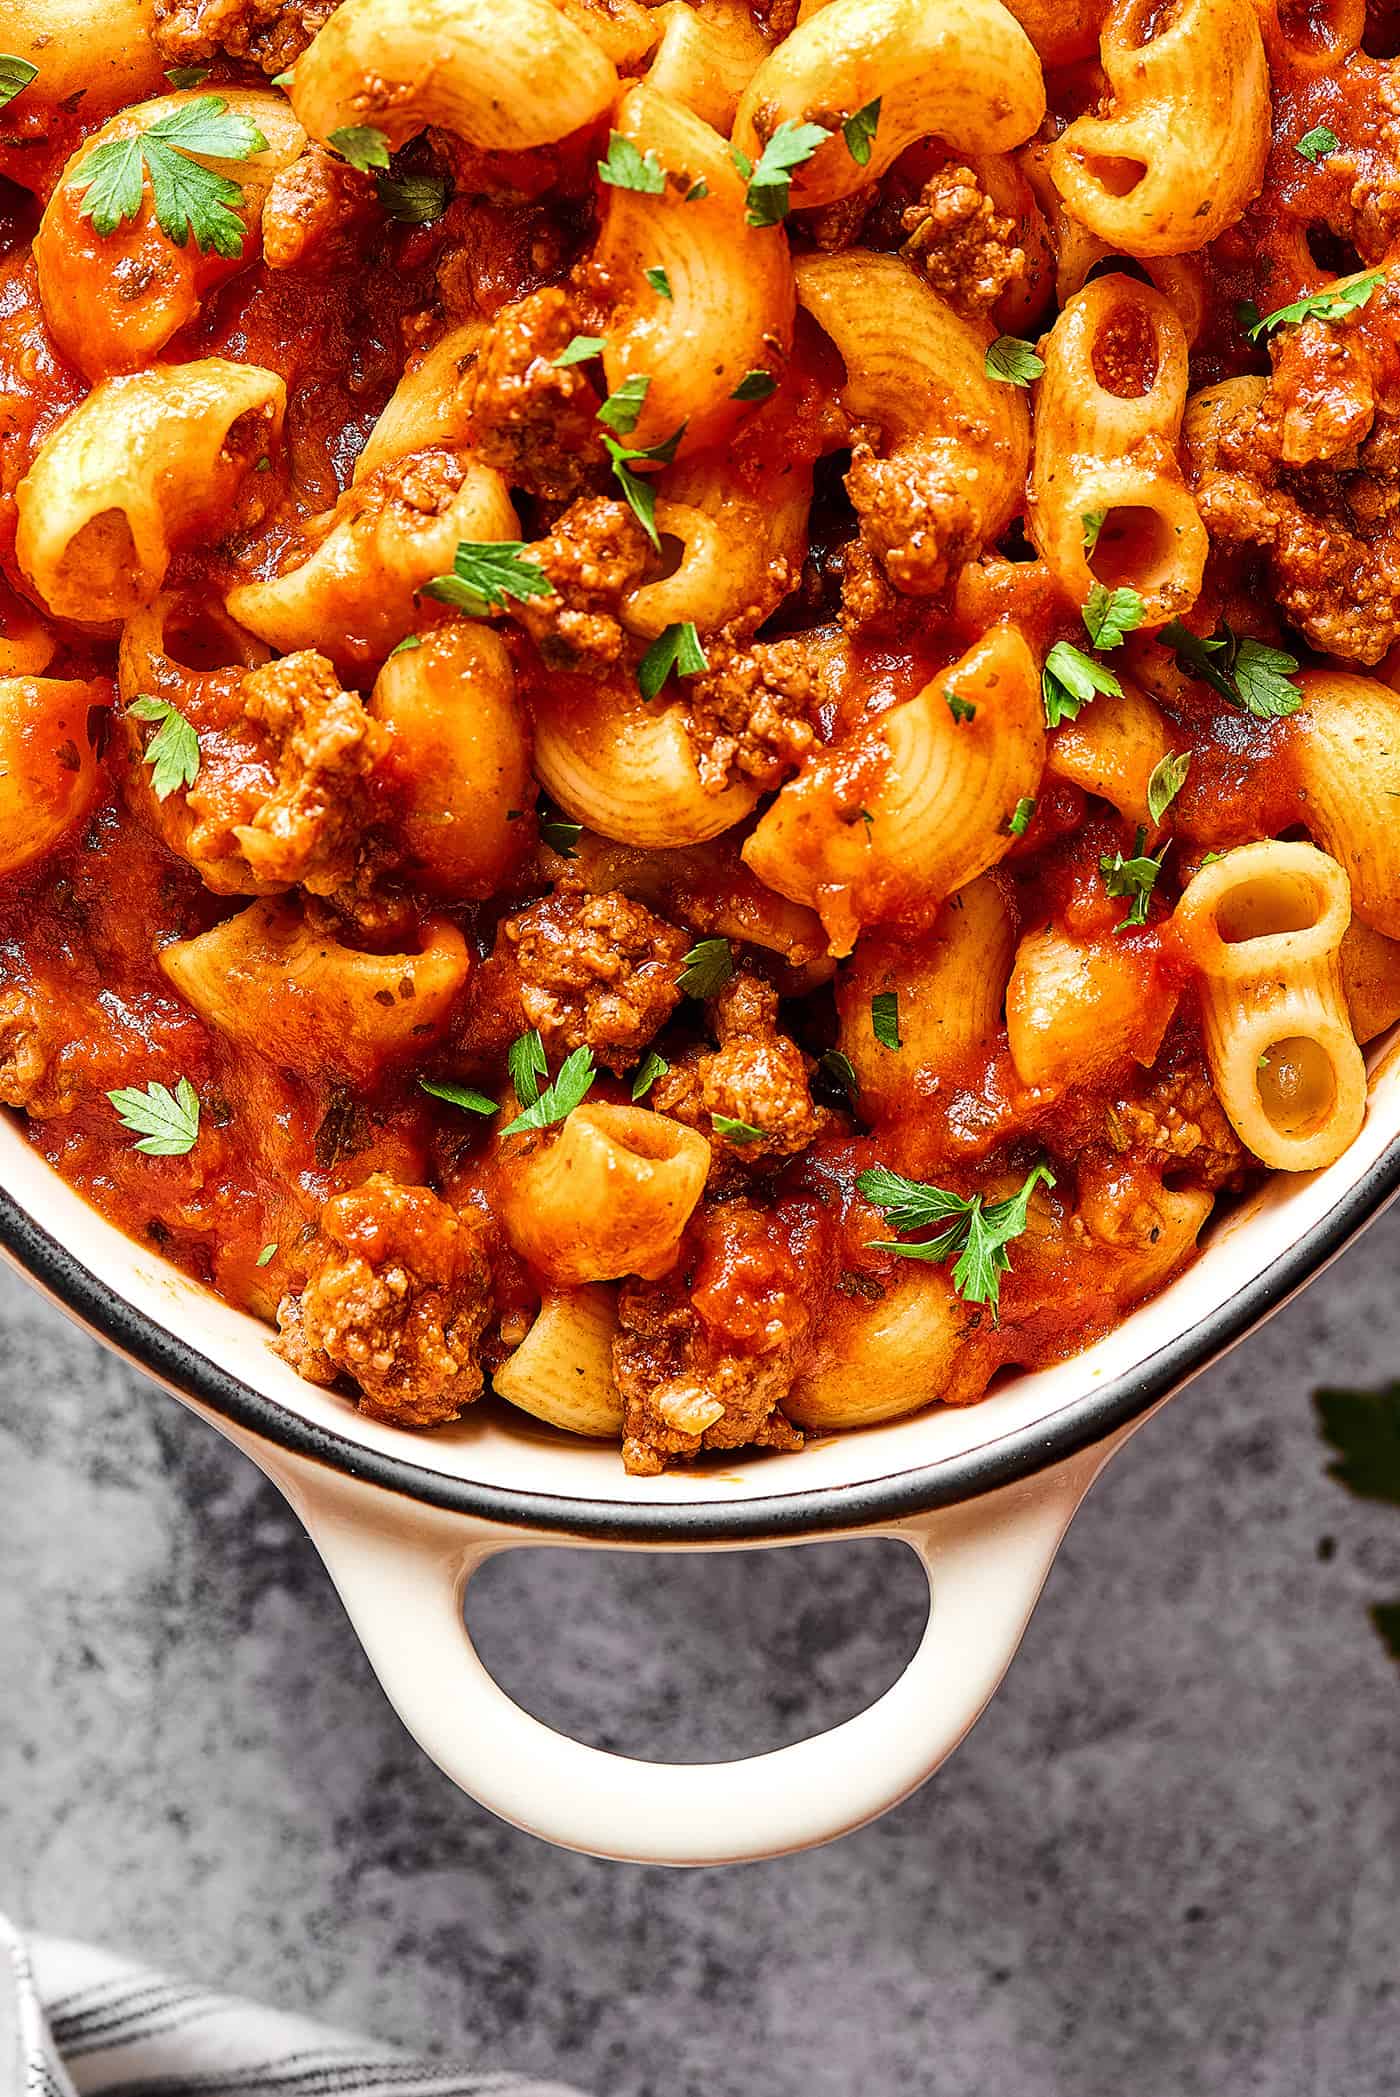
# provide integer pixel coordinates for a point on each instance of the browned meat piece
(535, 423)
(1310, 471)
(837, 226)
(960, 242)
(308, 828)
(397, 1300)
(23, 1057)
(776, 18)
(594, 972)
(317, 213)
(920, 530)
(272, 33)
(756, 1076)
(705, 1357)
(752, 713)
(595, 554)
(1179, 1125)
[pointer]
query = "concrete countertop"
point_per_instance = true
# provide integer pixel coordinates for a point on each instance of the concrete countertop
(1166, 1862)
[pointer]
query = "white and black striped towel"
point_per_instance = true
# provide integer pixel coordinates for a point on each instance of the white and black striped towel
(79, 2023)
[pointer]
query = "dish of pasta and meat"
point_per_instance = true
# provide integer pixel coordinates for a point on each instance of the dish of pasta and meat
(698, 707)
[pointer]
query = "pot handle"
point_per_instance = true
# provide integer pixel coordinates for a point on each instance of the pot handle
(402, 1571)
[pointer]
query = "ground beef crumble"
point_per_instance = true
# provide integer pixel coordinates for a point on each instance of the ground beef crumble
(596, 972)
(918, 528)
(272, 33)
(23, 1056)
(1179, 1125)
(752, 714)
(594, 556)
(533, 420)
(317, 213)
(755, 1076)
(960, 243)
(397, 1300)
(307, 830)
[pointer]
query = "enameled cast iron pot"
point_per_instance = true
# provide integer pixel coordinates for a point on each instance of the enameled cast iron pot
(982, 1494)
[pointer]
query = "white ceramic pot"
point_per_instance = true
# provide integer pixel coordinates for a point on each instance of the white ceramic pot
(983, 1494)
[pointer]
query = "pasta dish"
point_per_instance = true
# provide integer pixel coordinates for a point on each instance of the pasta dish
(699, 704)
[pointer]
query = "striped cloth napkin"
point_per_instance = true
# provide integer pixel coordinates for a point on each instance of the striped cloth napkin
(75, 2022)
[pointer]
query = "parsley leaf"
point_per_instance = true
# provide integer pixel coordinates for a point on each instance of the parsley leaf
(621, 409)
(1333, 304)
(652, 1066)
(770, 187)
(839, 1066)
(406, 646)
(1012, 361)
(15, 76)
(187, 76)
(884, 1018)
(557, 1101)
(1092, 522)
(659, 282)
(626, 168)
(173, 751)
(268, 1252)
(961, 709)
(187, 196)
(1021, 815)
(965, 1225)
(414, 200)
(706, 968)
(859, 132)
(736, 1131)
(561, 837)
(485, 573)
(638, 490)
(755, 385)
(1070, 680)
(360, 144)
(1167, 778)
(1245, 672)
(1316, 144)
(1134, 878)
(676, 647)
(460, 1096)
(166, 1122)
(579, 351)
(525, 1060)
(1110, 614)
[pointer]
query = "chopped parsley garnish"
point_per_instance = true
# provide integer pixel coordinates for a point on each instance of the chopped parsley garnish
(755, 385)
(859, 132)
(652, 1066)
(621, 409)
(166, 1122)
(1012, 361)
(736, 1131)
(1316, 144)
(1110, 614)
(460, 1096)
(1134, 878)
(1167, 778)
(487, 571)
(406, 646)
(173, 751)
(626, 168)
(1333, 304)
(414, 200)
(964, 1224)
(770, 182)
(188, 197)
(659, 282)
(637, 489)
(698, 188)
(706, 968)
(561, 837)
(839, 1066)
(884, 1018)
(557, 1101)
(1245, 672)
(1092, 523)
(269, 1252)
(676, 647)
(15, 76)
(525, 1060)
(186, 76)
(579, 351)
(1070, 680)
(961, 709)
(360, 144)
(1021, 815)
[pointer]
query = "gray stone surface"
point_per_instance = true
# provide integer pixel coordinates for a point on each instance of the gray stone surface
(1167, 1862)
